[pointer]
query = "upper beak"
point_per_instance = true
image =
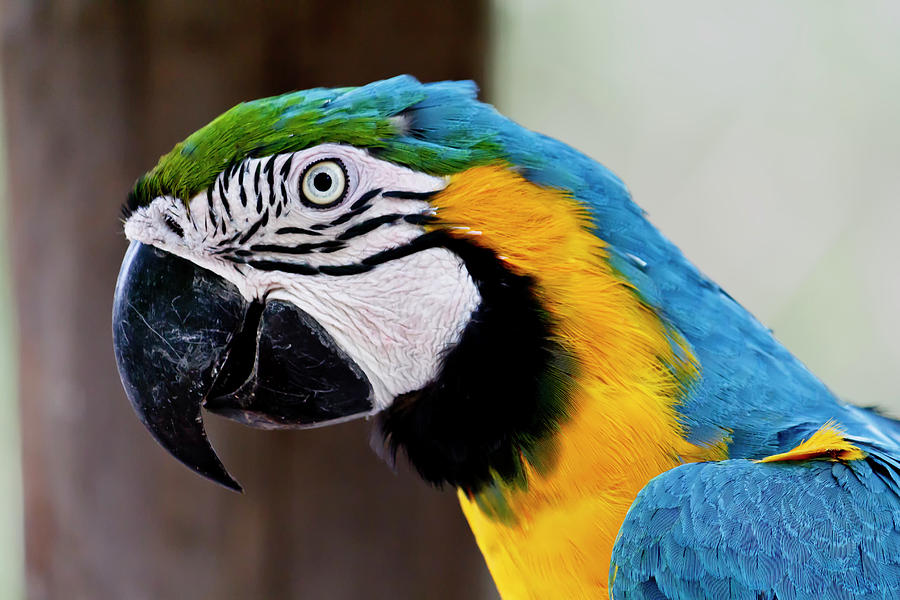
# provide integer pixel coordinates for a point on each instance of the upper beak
(185, 337)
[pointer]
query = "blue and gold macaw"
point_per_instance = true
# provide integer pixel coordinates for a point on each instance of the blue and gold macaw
(613, 421)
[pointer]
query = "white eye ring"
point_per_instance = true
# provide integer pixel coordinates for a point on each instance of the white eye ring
(324, 183)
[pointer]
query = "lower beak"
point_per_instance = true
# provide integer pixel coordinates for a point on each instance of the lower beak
(185, 338)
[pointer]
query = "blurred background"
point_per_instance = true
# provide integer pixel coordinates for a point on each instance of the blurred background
(763, 137)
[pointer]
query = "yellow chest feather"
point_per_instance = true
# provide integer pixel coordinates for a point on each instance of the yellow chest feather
(622, 428)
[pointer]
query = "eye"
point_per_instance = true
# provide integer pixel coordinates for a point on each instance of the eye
(323, 184)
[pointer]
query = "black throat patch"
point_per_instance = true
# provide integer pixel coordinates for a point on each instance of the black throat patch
(501, 391)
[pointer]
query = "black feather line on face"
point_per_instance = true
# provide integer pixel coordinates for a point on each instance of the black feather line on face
(407, 195)
(223, 197)
(368, 226)
(365, 198)
(294, 230)
(296, 249)
(258, 192)
(225, 177)
(173, 226)
(255, 227)
(270, 173)
(498, 395)
(423, 242)
(243, 192)
(210, 212)
(286, 167)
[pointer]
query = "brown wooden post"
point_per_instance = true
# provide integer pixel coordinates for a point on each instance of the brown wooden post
(94, 93)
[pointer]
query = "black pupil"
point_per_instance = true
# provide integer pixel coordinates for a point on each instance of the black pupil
(322, 182)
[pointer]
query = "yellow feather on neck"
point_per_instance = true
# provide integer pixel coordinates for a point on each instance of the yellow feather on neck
(623, 428)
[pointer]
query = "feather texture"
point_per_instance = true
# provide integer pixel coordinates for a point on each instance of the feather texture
(737, 529)
(668, 369)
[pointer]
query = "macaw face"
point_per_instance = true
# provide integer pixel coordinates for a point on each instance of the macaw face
(298, 289)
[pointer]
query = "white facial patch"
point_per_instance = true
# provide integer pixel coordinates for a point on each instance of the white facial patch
(346, 248)
(394, 321)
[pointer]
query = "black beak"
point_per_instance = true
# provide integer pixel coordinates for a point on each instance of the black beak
(185, 337)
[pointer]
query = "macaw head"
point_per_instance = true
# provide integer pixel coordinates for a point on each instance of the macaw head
(395, 249)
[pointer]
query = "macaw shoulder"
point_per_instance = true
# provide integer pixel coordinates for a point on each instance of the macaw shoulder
(819, 520)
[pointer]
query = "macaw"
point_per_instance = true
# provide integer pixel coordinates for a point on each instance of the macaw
(614, 422)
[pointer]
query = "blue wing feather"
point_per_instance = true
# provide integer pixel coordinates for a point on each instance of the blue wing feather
(739, 529)
(735, 529)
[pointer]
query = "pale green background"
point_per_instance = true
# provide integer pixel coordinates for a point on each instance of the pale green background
(763, 137)
(11, 544)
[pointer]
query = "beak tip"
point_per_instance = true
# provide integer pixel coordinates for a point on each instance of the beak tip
(229, 482)
(190, 445)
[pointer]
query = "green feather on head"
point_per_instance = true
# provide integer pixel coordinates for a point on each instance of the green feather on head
(381, 117)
